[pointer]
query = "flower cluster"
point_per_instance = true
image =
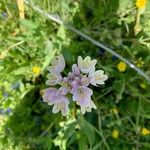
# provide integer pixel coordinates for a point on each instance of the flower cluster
(75, 83)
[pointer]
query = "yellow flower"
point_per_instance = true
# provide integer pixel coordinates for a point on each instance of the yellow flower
(122, 66)
(145, 131)
(114, 110)
(141, 3)
(36, 70)
(143, 86)
(115, 134)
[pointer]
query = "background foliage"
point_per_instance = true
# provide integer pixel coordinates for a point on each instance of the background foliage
(26, 122)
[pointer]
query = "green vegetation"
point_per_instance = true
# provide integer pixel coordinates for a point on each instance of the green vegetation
(122, 120)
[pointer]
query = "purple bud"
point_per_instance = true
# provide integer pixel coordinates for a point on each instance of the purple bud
(70, 76)
(74, 84)
(75, 69)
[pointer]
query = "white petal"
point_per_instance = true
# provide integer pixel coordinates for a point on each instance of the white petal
(50, 95)
(89, 105)
(83, 110)
(94, 61)
(64, 110)
(82, 95)
(57, 64)
(53, 79)
(97, 77)
(87, 65)
(56, 108)
(80, 59)
(61, 105)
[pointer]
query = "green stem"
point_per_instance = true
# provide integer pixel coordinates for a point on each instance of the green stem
(137, 124)
(100, 129)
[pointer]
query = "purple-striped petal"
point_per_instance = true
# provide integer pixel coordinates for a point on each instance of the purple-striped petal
(81, 94)
(87, 107)
(61, 105)
(50, 95)
(98, 77)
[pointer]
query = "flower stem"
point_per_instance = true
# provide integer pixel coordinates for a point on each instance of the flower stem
(100, 129)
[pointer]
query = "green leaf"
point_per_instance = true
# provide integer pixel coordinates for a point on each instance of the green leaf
(49, 52)
(61, 32)
(82, 141)
(88, 130)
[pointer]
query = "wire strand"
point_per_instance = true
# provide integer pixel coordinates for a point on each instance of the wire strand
(57, 19)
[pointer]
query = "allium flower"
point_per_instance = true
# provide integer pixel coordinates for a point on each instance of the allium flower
(57, 97)
(97, 77)
(87, 107)
(75, 83)
(57, 65)
(87, 65)
(81, 94)
(50, 95)
(61, 105)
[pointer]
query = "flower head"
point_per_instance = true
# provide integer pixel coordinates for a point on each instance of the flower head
(141, 3)
(145, 131)
(75, 83)
(86, 65)
(87, 106)
(115, 134)
(57, 65)
(50, 95)
(82, 94)
(122, 67)
(36, 70)
(98, 77)
(61, 105)
(57, 97)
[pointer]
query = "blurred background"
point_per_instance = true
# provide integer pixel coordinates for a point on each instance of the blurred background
(29, 41)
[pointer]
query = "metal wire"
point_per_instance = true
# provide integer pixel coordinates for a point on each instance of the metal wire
(57, 19)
